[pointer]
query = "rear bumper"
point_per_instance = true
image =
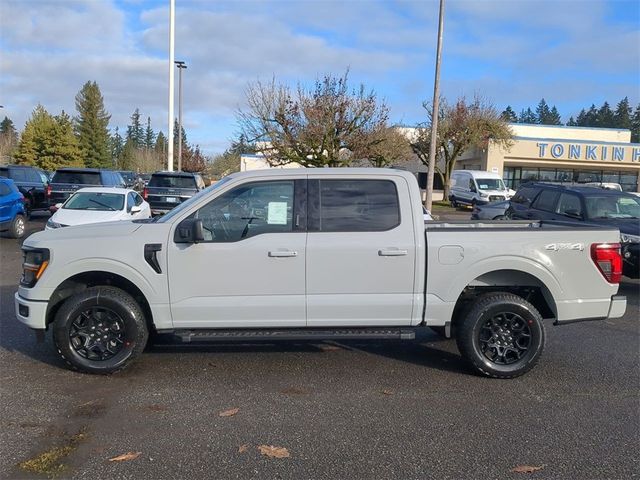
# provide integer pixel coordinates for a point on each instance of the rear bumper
(616, 309)
(33, 313)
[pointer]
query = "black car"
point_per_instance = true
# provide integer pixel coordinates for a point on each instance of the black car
(611, 208)
(167, 190)
(65, 181)
(31, 182)
(129, 177)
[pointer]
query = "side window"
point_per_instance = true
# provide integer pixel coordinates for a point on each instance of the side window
(4, 189)
(138, 199)
(525, 195)
(43, 178)
(18, 174)
(472, 185)
(546, 200)
(569, 205)
(131, 201)
(358, 206)
(249, 210)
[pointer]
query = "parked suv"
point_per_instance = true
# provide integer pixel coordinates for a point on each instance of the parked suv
(65, 181)
(31, 182)
(167, 190)
(543, 201)
(12, 213)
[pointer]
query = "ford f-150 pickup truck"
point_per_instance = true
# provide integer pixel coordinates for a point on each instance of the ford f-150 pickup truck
(315, 254)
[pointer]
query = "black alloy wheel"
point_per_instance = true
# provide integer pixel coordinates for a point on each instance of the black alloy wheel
(505, 338)
(97, 334)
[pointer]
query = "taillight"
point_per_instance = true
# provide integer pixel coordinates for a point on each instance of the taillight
(145, 193)
(48, 190)
(608, 259)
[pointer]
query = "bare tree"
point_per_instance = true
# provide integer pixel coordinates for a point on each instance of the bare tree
(324, 126)
(392, 148)
(461, 126)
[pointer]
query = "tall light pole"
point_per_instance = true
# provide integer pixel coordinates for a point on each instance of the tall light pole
(172, 22)
(434, 114)
(181, 65)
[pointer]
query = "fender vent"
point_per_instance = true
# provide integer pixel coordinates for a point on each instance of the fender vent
(150, 250)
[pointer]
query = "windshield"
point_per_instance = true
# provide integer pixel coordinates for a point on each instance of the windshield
(169, 181)
(490, 184)
(103, 202)
(612, 206)
(83, 178)
(186, 204)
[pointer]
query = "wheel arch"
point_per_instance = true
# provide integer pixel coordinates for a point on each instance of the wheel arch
(521, 283)
(95, 278)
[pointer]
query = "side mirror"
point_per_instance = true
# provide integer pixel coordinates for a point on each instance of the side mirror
(189, 230)
(135, 209)
(58, 206)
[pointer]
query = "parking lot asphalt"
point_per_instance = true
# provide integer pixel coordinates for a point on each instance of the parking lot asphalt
(342, 410)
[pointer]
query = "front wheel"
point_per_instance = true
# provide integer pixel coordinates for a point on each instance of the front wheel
(454, 203)
(100, 330)
(17, 228)
(502, 336)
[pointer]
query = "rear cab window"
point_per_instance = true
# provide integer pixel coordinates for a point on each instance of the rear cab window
(77, 177)
(172, 181)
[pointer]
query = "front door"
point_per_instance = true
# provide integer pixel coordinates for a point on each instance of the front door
(360, 253)
(250, 270)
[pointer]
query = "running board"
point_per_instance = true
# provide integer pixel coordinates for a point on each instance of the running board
(292, 334)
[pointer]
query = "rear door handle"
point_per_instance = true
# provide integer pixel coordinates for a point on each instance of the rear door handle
(392, 252)
(283, 253)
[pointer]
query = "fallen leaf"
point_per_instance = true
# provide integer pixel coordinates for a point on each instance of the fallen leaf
(243, 448)
(526, 469)
(126, 457)
(387, 392)
(229, 413)
(271, 451)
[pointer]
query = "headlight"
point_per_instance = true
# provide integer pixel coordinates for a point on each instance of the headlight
(52, 224)
(485, 195)
(34, 264)
(626, 238)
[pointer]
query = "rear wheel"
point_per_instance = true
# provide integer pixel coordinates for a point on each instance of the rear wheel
(502, 336)
(100, 330)
(17, 228)
(453, 201)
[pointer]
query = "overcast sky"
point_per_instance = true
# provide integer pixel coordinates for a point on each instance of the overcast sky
(571, 52)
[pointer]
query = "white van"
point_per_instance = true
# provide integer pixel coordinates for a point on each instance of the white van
(475, 187)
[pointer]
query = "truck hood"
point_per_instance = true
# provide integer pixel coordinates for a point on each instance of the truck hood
(92, 230)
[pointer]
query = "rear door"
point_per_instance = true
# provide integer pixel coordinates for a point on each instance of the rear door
(544, 206)
(360, 252)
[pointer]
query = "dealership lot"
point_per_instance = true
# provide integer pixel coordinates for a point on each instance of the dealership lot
(356, 410)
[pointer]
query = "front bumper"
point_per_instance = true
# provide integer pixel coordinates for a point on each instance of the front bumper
(33, 313)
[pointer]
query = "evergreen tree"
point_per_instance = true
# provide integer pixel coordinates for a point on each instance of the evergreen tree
(554, 117)
(508, 115)
(135, 132)
(622, 115)
(591, 117)
(605, 116)
(572, 122)
(161, 144)
(91, 126)
(581, 120)
(8, 137)
(117, 146)
(543, 113)
(49, 142)
(127, 159)
(635, 125)
(527, 116)
(241, 146)
(149, 136)
(175, 136)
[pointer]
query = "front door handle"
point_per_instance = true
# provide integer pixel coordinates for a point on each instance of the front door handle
(392, 252)
(283, 253)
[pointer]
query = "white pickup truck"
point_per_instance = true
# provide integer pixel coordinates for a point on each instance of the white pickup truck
(315, 254)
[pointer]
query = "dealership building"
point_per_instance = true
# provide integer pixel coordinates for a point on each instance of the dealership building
(561, 154)
(540, 152)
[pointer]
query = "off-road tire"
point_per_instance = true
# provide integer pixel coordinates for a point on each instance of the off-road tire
(470, 330)
(120, 303)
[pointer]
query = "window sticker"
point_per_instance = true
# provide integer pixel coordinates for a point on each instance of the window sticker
(277, 213)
